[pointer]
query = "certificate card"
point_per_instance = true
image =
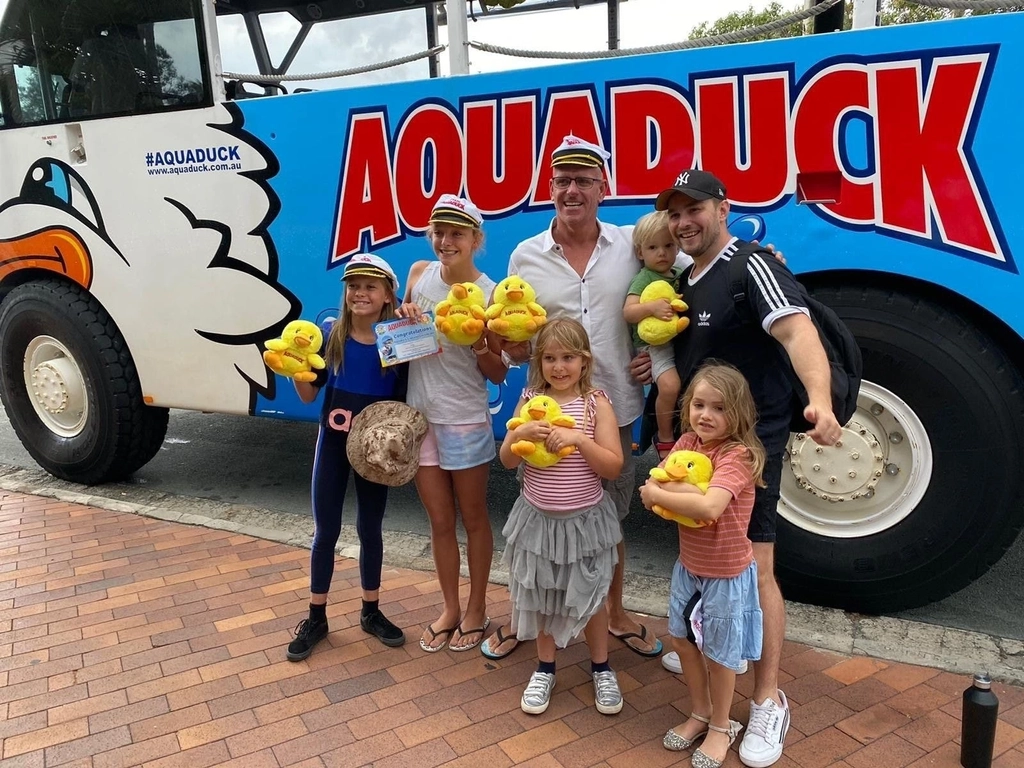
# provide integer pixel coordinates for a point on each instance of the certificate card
(403, 339)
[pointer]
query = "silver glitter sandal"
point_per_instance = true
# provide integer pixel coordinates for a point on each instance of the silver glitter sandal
(701, 760)
(677, 743)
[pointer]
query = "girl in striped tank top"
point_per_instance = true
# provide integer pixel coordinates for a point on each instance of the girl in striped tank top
(714, 615)
(563, 531)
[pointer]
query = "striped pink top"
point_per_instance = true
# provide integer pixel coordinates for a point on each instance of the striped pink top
(722, 550)
(570, 484)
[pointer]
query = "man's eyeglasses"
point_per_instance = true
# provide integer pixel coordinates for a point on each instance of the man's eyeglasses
(582, 182)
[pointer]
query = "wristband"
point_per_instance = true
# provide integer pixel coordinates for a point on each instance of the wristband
(480, 352)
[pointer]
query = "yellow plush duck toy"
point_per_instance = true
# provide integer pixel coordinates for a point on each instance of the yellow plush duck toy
(295, 354)
(540, 408)
(684, 467)
(460, 317)
(655, 331)
(515, 313)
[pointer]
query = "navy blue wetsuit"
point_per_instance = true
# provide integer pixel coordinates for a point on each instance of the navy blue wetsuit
(360, 382)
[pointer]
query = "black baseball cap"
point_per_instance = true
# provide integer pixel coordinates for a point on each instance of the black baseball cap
(694, 183)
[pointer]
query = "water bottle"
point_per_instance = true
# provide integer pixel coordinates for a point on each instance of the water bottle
(978, 727)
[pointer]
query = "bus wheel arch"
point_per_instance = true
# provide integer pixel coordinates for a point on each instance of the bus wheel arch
(944, 403)
(69, 384)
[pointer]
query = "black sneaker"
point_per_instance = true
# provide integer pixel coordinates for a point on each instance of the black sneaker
(377, 624)
(307, 634)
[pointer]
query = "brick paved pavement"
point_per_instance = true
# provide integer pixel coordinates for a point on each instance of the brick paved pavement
(129, 641)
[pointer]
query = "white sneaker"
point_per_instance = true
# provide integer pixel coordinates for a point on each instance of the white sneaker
(766, 733)
(607, 696)
(670, 661)
(537, 695)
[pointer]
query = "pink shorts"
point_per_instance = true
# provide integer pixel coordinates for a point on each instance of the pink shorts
(457, 446)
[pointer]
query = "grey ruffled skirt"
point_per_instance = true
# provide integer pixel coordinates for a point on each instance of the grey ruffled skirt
(560, 567)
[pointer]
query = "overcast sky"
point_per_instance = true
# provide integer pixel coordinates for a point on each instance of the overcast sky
(356, 42)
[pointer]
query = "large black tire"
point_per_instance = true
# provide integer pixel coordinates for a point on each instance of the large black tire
(969, 397)
(117, 433)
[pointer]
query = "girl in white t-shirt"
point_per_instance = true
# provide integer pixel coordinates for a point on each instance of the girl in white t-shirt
(450, 389)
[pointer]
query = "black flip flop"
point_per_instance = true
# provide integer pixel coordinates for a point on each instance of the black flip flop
(434, 635)
(625, 637)
(463, 632)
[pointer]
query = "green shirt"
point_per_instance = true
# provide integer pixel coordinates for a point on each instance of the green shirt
(644, 278)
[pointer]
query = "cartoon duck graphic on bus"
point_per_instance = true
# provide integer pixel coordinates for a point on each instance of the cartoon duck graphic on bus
(93, 272)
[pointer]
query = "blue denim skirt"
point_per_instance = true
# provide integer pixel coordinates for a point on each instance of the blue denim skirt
(732, 622)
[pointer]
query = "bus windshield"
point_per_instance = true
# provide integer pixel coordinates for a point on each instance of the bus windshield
(68, 60)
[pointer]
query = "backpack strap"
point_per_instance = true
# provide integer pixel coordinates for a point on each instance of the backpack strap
(738, 278)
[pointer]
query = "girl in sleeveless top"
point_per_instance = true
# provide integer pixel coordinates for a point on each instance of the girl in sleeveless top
(563, 530)
(450, 389)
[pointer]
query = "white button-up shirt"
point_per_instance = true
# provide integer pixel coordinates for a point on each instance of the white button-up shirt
(596, 300)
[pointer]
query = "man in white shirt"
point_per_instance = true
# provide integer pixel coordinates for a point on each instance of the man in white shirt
(581, 268)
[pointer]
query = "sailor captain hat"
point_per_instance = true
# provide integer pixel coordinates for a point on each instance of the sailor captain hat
(452, 209)
(576, 151)
(368, 265)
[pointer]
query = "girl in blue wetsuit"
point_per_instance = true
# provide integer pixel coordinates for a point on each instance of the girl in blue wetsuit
(353, 379)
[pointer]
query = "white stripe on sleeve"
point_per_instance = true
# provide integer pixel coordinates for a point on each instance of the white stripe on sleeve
(765, 279)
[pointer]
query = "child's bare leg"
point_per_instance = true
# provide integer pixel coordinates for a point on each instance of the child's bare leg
(436, 492)
(723, 685)
(665, 406)
(607, 694)
(546, 647)
(470, 487)
(596, 633)
(696, 675)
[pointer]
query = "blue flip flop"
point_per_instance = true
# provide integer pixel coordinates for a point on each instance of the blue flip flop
(485, 647)
(642, 637)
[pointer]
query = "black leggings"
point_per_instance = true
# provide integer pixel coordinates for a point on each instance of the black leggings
(330, 480)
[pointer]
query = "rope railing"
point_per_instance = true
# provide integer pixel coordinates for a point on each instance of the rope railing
(702, 42)
(968, 5)
(337, 72)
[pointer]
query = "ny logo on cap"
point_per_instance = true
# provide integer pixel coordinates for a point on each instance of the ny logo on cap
(684, 178)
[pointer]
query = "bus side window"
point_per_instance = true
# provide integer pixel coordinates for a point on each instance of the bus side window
(105, 78)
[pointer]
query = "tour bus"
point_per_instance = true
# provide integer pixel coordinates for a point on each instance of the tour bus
(160, 220)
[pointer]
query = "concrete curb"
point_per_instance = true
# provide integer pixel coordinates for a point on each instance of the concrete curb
(882, 637)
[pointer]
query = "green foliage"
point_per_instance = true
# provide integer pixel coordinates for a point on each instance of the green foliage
(749, 18)
(906, 12)
(892, 12)
(30, 95)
